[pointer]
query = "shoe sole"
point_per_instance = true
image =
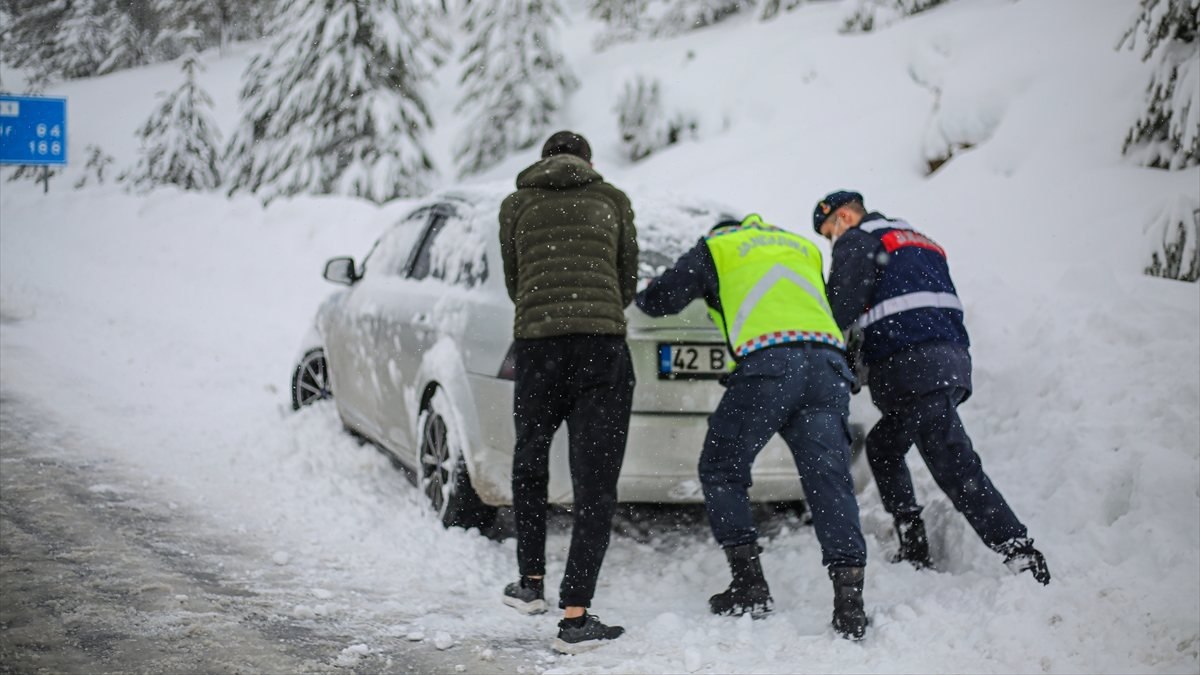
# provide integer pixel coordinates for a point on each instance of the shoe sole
(571, 648)
(756, 613)
(532, 607)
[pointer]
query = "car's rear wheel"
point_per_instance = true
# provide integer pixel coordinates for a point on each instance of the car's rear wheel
(442, 475)
(310, 380)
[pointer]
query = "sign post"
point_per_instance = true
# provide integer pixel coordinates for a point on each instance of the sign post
(33, 131)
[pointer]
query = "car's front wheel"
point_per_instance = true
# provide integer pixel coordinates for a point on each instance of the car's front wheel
(442, 474)
(310, 380)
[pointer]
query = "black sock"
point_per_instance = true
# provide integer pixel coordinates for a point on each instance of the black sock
(577, 622)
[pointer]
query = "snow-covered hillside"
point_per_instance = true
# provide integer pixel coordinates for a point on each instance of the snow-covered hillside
(165, 327)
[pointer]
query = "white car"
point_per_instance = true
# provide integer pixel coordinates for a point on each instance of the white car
(417, 350)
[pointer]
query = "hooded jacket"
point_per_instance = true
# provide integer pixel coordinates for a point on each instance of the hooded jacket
(569, 248)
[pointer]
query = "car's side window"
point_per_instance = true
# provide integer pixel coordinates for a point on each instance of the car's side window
(453, 250)
(391, 251)
(420, 266)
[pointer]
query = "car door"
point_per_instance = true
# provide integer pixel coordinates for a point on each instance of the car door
(430, 303)
(354, 333)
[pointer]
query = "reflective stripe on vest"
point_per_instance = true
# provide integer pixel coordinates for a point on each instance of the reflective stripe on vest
(903, 303)
(771, 283)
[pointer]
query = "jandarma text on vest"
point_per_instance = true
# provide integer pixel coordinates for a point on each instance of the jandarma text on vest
(769, 240)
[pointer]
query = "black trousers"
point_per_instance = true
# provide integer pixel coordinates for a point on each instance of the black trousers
(586, 381)
(918, 392)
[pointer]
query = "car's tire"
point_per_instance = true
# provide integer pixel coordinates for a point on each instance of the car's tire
(310, 379)
(442, 472)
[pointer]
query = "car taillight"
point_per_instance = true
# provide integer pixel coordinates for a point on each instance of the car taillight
(508, 367)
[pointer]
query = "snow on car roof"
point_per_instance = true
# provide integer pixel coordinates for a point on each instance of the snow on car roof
(668, 223)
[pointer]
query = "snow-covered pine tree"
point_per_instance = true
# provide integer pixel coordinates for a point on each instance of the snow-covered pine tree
(1175, 234)
(771, 8)
(869, 15)
(1167, 135)
(82, 43)
(681, 16)
(334, 105)
(514, 79)
(219, 21)
(643, 121)
(133, 33)
(624, 21)
(31, 35)
(431, 22)
(639, 117)
(179, 141)
(96, 167)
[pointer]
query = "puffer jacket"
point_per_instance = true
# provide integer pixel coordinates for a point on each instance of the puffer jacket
(569, 248)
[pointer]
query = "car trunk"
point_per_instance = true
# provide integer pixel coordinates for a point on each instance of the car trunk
(680, 392)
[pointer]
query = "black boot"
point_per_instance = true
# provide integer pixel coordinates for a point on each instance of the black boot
(849, 617)
(914, 545)
(748, 593)
(1020, 556)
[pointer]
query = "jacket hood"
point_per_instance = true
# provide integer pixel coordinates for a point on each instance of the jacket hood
(558, 172)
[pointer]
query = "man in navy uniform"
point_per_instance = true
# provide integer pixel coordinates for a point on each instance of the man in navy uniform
(890, 285)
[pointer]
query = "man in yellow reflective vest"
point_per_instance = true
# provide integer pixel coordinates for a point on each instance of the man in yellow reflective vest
(765, 290)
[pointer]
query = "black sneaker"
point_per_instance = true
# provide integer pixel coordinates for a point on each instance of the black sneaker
(1021, 556)
(586, 632)
(527, 596)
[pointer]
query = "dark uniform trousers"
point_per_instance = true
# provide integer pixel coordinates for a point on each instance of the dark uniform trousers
(586, 381)
(800, 391)
(918, 392)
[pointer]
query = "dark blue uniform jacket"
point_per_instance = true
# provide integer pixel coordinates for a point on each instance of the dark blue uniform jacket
(883, 259)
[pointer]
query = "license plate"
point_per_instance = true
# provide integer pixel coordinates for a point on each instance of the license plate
(696, 361)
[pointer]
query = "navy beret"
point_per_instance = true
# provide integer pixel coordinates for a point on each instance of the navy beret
(832, 202)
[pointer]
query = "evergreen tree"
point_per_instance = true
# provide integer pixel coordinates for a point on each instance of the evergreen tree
(31, 35)
(643, 121)
(771, 8)
(514, 78)
(220, 22)
(681, 16)
(870, 15)
(1167, 134)
(624, 20)
(133, 33)
(82, 44)
(431, 23)
(96, 167)
(1175, 234)
(179, 140)
(334, 105)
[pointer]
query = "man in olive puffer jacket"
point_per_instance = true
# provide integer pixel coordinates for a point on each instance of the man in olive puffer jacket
(570, 253)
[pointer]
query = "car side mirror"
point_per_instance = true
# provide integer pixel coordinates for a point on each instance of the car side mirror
(341, 271)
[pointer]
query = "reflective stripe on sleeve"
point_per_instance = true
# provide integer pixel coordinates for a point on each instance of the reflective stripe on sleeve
(903, 303)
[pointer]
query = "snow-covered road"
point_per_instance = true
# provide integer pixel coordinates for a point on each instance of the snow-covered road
(101, 572)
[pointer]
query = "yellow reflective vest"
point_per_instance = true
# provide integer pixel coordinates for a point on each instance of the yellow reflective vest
(771, 288)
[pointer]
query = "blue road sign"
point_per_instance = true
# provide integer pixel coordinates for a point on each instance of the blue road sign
(33, 130)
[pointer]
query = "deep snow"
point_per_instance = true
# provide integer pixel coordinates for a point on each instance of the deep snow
(165, 327)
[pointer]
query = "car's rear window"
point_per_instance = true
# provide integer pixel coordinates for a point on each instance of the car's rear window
(666, 230)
